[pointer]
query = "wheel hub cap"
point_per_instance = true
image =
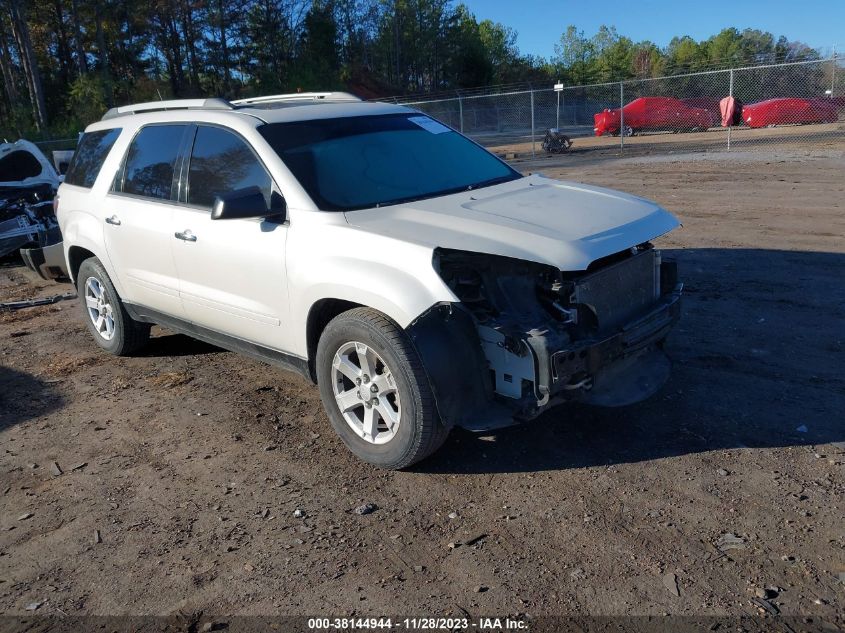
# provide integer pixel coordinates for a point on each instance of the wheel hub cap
(99, 308)
(366, 393)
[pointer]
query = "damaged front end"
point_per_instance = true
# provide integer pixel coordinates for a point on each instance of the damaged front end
(27, 217)
(547, 336)
(28, 184)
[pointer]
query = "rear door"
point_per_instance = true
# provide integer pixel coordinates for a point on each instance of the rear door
(139, 218)
(232, 276)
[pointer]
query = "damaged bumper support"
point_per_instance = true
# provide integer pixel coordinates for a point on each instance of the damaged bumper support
(597, 337)
(616, 370)
(621, 369)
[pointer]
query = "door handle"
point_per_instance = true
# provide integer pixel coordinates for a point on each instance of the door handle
(185, 235)
(113, 220)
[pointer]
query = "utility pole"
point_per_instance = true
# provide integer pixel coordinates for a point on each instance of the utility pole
(558, 89)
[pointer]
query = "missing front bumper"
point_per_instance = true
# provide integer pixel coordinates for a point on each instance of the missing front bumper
(589, 357)
(618, 370)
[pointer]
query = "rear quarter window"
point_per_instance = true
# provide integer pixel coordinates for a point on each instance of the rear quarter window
(89, 157)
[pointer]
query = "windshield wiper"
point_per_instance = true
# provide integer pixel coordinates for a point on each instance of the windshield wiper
(436, 194)
(491, 181)
(424, 196)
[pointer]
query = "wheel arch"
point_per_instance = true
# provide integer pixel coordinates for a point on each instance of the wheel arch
(389, 291)
(82, 235)
(447, 343)
(75, 256)
(319, 316)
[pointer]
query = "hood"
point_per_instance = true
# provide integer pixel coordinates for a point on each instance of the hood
(22, 164)
(563, 224)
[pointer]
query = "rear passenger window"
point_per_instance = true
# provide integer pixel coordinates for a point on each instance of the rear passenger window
(89, 156)
(150, 161)
(223, 162)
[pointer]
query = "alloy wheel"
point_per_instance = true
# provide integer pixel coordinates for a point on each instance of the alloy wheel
(99, 309)
(365, 391)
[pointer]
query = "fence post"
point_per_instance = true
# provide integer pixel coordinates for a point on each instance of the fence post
(621, 116)
(730, 94)
(461, 111)
(533, 146)
(833, 72)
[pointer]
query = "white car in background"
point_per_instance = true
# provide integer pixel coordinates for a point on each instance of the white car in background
(419, 280)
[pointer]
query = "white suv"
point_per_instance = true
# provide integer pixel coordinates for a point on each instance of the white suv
(420, 281)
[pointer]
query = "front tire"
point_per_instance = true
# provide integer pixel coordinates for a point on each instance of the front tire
(375, 390)
(105, 315)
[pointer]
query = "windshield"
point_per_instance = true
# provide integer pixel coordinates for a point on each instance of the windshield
(368, 161)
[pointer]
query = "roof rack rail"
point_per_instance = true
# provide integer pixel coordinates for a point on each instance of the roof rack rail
(297, 96)
(174, 104)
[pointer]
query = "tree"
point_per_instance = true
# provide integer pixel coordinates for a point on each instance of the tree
(684, 54)
(614, 55)
(64, 61)
(499, 45)
(7, 68)
(81, 61)
(320, 67)
(575, 56)
(20, 31)
(467, 62)
(648, 61)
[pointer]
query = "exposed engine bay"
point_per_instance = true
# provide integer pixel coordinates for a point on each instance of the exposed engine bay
(27, 217)
(549, 336)
(28, 184)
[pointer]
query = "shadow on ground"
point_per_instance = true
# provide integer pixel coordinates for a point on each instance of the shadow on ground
(24, 397)
(172, 345)
(759, 361)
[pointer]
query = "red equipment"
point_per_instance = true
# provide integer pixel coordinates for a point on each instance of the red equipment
(711, 104)
(789, 111)
(652, 114)
(731, 111)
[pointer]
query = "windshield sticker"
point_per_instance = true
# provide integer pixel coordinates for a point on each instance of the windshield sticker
(429, 124)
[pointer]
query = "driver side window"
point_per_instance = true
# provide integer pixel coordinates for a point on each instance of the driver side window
(223, 162)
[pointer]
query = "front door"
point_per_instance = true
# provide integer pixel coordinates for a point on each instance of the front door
(232, 276)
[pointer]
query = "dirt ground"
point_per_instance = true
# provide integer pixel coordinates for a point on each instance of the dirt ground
(181, 468)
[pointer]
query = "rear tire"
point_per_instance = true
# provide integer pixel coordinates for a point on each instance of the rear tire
(105, 315)
(367, 365)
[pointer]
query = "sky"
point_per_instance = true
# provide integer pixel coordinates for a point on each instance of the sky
(539, 23)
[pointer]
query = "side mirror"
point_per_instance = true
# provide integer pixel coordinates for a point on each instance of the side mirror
(245, 203)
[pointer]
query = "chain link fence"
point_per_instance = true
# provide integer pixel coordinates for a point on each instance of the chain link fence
(798, 105)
